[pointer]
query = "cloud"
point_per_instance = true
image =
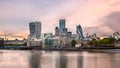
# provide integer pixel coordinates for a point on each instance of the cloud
(110, 23)
(16, 14)
(112, 20)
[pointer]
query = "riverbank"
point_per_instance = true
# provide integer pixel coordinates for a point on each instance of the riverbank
(59, 49)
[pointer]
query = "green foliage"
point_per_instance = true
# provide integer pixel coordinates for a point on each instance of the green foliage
(102, 41)
(94, 42)
(73, 42)
(112, 40)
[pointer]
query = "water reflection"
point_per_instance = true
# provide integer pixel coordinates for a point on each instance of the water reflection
(80, 61)
(35, 59)
(13, 59)
(58, 59)
(62, 60)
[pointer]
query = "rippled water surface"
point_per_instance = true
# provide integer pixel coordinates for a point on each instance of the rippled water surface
(59, 59)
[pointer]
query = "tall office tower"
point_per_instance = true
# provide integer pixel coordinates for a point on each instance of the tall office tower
(56, 31)
(79, 32)
(38, 29)
(35, 29)
(32, 28)
(61, 25)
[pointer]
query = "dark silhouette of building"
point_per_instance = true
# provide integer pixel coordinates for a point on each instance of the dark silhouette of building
(69, 34)
(56, 31)
(1, 40)
(65, 30)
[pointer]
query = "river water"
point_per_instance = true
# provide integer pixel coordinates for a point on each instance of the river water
(59, 59)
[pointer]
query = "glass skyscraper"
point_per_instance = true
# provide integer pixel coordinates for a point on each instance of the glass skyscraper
(79, 32)
(61, 25)
(35, 29)
(38, 30)
(32, 28)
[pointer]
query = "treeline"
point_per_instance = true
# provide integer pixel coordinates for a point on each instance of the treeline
(105, 41)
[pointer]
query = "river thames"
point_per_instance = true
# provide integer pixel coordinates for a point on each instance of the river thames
(59, 59)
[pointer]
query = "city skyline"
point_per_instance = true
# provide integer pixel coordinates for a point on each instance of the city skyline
(94, 16)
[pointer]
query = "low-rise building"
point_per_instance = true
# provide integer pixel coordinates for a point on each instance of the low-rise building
(116, 35)
(34, 42)
(1, 40)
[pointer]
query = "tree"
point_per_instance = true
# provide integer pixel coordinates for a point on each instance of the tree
(73, 42)
(94, 42)
(104, 41)
(107, 41)
(112, 40)
(119, 39)
(24, 44)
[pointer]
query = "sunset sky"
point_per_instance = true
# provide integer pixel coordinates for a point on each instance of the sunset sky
(95, 16)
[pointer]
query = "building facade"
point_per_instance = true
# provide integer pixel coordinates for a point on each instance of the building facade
(61, 25)
(116, 35)
(79, 31)
(35, 34)
(1, 40)
(56, 31)
(38, 29)
(32, 28)
(35, 29)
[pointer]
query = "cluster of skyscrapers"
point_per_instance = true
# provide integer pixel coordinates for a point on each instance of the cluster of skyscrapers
(62, 30)
(62, 35)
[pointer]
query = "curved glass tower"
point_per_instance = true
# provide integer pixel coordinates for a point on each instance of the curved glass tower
(79, 32)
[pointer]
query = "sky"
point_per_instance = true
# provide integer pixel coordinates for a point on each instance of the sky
(95, 16)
